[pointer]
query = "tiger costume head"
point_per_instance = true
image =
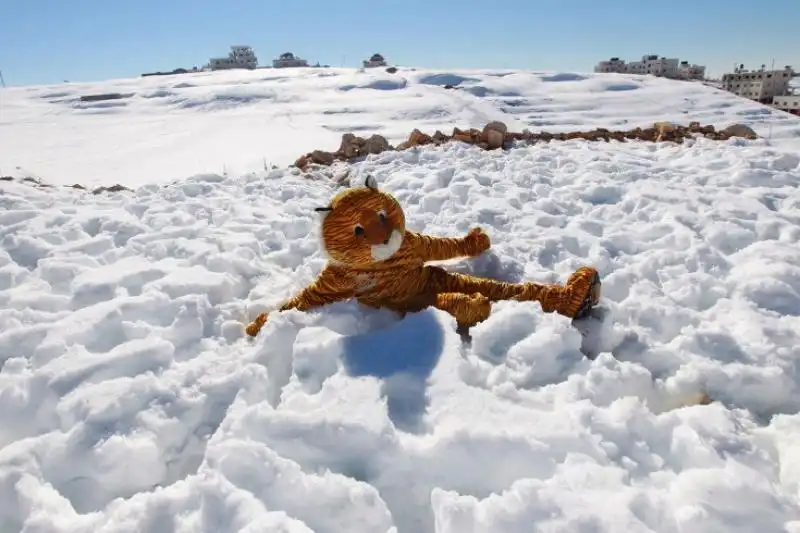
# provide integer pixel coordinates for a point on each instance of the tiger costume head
(362, 226)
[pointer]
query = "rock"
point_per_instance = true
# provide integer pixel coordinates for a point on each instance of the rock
(664, 126)
(495, 135)
(618, 136)
(494, 139)
(350, 146)
(391, 70)
(740, 130)
(114, 188)
(302, 162)
(418, 138)
(322, 158)
(376, 144)
(462, 136)
(496, 125)
(347, 139)
(663, 130)
(440, 138)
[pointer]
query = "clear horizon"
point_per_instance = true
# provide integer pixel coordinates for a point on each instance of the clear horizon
(48, 42)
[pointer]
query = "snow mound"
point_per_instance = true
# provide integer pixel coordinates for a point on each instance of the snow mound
(132, 402)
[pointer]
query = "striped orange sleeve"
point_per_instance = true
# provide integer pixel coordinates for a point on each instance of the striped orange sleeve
(437, 248)
(330, 286)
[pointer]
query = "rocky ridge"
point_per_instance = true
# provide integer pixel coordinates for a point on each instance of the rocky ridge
(495, 135)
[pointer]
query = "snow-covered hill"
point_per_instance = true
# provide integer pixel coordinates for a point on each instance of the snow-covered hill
(165, 128)
(131, 402)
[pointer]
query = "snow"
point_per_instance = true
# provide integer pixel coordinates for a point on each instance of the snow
(164, 128)
(132, 401)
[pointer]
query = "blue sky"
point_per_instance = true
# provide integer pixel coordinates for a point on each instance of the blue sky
(49, 41)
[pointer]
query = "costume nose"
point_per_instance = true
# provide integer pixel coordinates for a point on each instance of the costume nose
(376, 232)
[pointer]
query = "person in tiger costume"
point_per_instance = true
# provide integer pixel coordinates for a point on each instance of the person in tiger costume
(375, 259)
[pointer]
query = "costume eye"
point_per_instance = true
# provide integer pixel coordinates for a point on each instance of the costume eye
(359, 231)
(382, 216)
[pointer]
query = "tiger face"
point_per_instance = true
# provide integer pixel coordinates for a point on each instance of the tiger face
(362, 226)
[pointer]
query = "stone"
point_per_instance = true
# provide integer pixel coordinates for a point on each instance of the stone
(322, 158)
(494, 139)
(495, 135)
(497, 126)
(740, 130)
(418, 138)
(376, 144)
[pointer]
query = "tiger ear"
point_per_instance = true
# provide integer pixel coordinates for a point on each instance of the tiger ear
(371, 182)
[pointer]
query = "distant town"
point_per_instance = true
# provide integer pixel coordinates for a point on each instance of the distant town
(244, 57)
(770, 87)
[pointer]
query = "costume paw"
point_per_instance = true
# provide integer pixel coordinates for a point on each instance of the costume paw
(255, 326)
(586, 287)
(477, 241)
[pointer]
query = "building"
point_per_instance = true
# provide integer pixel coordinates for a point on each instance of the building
(614, 64)
(691, 72)
(240, 56)
(668, 67)
(789, 103)
(376, 60)
(760, 85)
(288, 60)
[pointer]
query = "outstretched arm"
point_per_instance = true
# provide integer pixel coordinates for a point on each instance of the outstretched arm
(329, 287)
(442, 248)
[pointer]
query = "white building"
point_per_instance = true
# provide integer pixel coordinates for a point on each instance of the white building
(376, 60)
(668, 67)
(789, 103)
(288, 60)
(240, 56)
(760, 85)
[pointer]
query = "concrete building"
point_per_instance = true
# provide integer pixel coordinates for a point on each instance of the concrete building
(288, 60)
(240, 56)
(668, 67)
(691, 72)
(614, 64)
(760, 85)
(789, 103)
(376, 60)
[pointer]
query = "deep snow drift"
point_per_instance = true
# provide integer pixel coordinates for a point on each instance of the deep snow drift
(131, 402)
(164, 128)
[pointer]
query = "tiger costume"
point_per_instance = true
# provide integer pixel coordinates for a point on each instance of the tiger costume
(375, 259)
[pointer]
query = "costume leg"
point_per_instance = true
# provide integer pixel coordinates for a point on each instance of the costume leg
(573, 300)
(468, 309)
